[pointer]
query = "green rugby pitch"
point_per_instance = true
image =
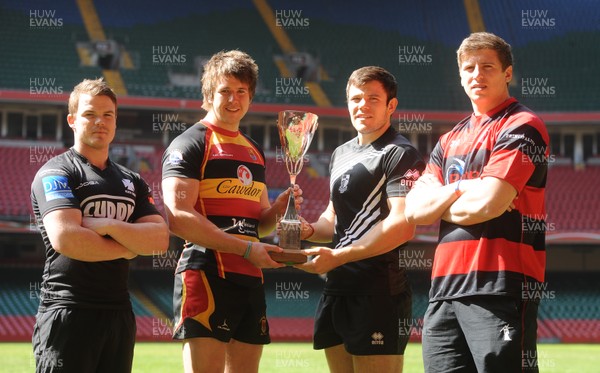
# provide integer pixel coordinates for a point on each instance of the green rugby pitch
(300, 357)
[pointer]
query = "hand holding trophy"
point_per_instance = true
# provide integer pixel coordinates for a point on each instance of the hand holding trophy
(296, 130)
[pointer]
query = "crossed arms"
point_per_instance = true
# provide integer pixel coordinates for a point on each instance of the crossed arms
(475, 201)
(99, 239)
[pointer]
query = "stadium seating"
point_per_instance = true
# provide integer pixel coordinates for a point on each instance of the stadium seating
(569, 310)
(41, 52)
(329, 36)
(338, 40)
(572, 202)
(18, 167)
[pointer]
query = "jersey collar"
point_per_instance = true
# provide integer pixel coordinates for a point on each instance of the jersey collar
(218, 129)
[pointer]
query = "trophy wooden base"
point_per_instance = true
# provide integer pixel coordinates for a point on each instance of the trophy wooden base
(289, 257)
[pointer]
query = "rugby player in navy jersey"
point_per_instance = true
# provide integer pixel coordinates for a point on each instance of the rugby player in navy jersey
(367, 294)
(485, 180)
(94, 215)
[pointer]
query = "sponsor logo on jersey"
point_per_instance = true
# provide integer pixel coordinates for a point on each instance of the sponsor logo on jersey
(244, 175)
(175, 158)
(240, 226)
(87, 183)
(231, 187)
(107, 206)
(56, 187)
(344, 183)
(409, 177)
(219, 152)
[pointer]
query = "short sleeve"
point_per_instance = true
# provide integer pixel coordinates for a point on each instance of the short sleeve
(52, 189)
(434, 166)
(403, 167)
(183, 158)
(520, 154)
(144, 203)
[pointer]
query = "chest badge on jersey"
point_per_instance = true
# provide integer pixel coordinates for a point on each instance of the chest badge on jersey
(252, 155)
(129, 187)
(244, 175)
(345, 179)
(455, 171)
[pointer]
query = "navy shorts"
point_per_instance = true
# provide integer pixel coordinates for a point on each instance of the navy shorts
(480, 334)
(84, 340)
(206, 305)
(365, 324)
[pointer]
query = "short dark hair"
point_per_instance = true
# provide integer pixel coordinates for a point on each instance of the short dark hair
(486, 40)
(367, 74)
(92, 87)
(233, 63)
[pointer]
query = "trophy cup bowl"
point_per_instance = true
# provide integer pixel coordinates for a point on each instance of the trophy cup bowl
(296, 131)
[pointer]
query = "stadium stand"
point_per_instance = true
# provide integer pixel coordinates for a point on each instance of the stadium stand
(405, 29)
(18, 167)
(573, 203)
(569, 310)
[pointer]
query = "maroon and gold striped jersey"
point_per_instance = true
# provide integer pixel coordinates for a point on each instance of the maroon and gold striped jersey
(230, 168)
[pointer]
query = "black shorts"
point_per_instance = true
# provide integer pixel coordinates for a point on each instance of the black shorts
(84, 340)
(365, 324)
(480, 334)
(209, 306)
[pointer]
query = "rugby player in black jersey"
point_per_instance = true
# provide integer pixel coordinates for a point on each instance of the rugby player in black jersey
(367, 295)
(94, 216)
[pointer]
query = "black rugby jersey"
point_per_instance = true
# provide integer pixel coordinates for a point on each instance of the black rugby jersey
(362, 179)
(69, 181)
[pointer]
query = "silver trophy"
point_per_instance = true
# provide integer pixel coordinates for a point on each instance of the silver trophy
(296, 131)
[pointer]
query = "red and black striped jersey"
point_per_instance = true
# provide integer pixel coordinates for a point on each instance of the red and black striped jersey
(231, 170)
(502, 255)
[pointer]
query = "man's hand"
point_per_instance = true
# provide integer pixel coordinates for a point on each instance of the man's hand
(427, 181)
(324, 261)
(98, 225)
(281, 201)
(259, 255)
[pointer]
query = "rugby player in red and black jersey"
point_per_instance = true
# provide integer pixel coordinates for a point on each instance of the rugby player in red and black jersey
(485, 179)
(217, 200)
(94, 215)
